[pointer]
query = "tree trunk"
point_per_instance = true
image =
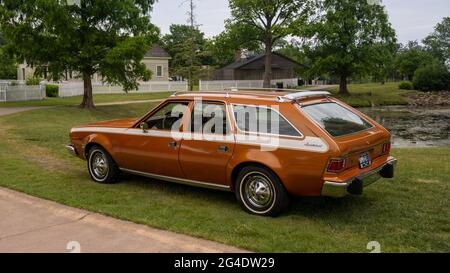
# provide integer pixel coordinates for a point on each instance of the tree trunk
(343, 89)
(88, 100)
(268, 63)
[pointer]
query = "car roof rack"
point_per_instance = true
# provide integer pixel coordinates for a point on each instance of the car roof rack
(306, 94)
(295, 95)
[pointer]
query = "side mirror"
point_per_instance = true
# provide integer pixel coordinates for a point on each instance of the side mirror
(144, 127)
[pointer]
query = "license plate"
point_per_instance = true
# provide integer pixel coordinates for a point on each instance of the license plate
(365, 161)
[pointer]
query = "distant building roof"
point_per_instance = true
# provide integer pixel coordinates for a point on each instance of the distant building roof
(245, 61)
(157, 52)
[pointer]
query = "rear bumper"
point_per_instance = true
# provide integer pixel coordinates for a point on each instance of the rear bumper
(357, 184)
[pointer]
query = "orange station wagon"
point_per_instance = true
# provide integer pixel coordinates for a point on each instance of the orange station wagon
(263, 146)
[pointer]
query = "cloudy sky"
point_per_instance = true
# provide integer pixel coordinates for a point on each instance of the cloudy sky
(412, 19)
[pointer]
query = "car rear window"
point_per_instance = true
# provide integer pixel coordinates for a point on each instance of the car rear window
(336, 119)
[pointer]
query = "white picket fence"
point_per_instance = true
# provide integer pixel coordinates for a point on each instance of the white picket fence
(72, 89)
(21, 92)
(223, 85)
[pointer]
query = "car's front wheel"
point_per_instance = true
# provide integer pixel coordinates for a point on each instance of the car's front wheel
(260, 192)
(102, 167)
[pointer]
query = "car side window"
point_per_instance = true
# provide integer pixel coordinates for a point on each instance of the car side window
(263, 120)
(209, 118)
(169, 117)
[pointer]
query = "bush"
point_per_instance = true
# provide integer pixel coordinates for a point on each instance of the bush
(431, 77)
(406, 85)
(34, 81)
(51, 91)
(14, 83)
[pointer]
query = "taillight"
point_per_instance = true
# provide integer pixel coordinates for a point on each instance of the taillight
(386, 148)
(336, 165)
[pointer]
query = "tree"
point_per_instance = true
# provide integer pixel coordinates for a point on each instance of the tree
(267, 21)
(108, 37)
(222, 49)
(293, 49)
(349, 37)
(439, 41)
(8, 65)
(410, 58)
(186, 44)
(432, 76)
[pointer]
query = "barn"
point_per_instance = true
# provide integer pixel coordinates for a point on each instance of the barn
(252, 68)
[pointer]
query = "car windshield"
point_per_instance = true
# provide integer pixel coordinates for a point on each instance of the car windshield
(336, 119)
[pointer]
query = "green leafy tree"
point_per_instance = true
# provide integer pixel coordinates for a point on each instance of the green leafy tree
(186, 44)
(383, 62)
(267, 21)
(8, 64)
(433, 76)
(293, 49)
(349, 38)
(410, 58)
(108, 37)
(222, 48)
(439, 41)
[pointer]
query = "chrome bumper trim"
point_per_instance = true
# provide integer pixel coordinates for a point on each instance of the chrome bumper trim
(336, 189)
(72, 150)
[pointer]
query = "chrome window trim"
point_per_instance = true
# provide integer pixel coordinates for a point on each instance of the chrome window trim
(179, 180)
(227, 113)
(265, 134)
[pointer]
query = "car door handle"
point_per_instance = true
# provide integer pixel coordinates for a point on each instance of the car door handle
(173, 144)
(223, 149)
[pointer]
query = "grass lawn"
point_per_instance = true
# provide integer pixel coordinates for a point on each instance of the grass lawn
(408, 214)
(97, 99)
(367, 95)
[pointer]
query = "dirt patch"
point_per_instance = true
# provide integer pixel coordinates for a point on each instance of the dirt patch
(36, 154)
(428, 181)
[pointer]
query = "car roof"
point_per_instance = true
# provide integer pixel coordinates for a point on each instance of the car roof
(261, 95)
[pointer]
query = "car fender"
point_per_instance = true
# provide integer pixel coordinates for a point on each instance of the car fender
(253, 156)
(99, 139)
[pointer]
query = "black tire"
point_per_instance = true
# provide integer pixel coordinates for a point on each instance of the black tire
(101, 166)
(272, 198)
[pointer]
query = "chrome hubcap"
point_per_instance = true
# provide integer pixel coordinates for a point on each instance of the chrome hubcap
(259, 191)
(99, 165)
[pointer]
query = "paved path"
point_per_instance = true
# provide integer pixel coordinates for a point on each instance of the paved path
(4, 111)
(30, 225)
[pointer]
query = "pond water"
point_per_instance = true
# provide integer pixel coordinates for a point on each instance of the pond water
(414, 127)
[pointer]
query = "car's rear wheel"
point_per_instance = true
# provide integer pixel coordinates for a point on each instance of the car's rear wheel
(102, 167)
(260, 192)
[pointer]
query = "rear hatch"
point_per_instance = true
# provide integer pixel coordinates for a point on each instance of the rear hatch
(355, 134)
(355, 147)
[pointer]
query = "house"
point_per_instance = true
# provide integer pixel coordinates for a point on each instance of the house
(252, 68)
(156, 60)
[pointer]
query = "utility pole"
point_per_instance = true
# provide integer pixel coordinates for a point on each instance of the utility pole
(191, 13)
(192, 48)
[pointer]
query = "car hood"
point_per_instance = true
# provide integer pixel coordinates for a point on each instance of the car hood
(120, 123)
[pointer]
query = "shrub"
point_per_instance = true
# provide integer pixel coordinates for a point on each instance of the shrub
(14, 83)
(51, 91)
(406, 85)
(431, 77)
(33, 81)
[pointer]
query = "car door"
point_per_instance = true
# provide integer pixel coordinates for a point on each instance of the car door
(208, 143)
(155, 150)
